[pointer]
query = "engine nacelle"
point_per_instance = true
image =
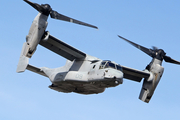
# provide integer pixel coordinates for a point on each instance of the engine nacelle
(36, 33)
(150, 84)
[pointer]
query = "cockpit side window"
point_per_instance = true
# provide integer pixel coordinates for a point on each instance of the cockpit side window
(111, 65)
(102, 65)
(108, 64)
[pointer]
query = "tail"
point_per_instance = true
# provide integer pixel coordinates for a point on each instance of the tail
(23, 60)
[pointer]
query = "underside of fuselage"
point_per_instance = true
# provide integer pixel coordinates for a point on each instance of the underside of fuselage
(84, 87)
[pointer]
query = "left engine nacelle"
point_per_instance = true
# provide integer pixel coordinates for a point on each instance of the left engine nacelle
(36, 33)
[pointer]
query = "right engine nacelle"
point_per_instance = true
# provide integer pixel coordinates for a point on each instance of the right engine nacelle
(149, 84)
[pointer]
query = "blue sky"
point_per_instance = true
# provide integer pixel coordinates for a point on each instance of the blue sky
(26, 96)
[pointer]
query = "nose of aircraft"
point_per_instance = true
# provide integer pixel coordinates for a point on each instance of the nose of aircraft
(114, 74)
(119, 78)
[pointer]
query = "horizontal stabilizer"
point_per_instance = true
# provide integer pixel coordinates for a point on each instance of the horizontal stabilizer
(23, 61)
(36, 70)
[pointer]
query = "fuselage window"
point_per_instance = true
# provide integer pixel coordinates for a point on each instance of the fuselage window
(94, 66)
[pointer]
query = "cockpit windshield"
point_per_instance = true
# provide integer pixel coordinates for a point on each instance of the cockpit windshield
(109, 64)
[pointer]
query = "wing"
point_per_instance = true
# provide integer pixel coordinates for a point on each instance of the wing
(62, 48)
(133, 74)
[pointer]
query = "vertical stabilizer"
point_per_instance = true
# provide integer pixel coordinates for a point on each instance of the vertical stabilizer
(23, 60)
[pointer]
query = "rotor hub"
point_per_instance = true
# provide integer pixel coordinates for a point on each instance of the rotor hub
(159, 54)
(46, 9)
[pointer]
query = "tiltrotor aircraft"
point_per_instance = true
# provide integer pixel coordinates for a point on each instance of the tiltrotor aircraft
(83, 73)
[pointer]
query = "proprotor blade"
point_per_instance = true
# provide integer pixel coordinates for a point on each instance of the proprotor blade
(154, 53)
(59, 16)
(35, 5)
(146, 50)
(170, 60)
(46, 10)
